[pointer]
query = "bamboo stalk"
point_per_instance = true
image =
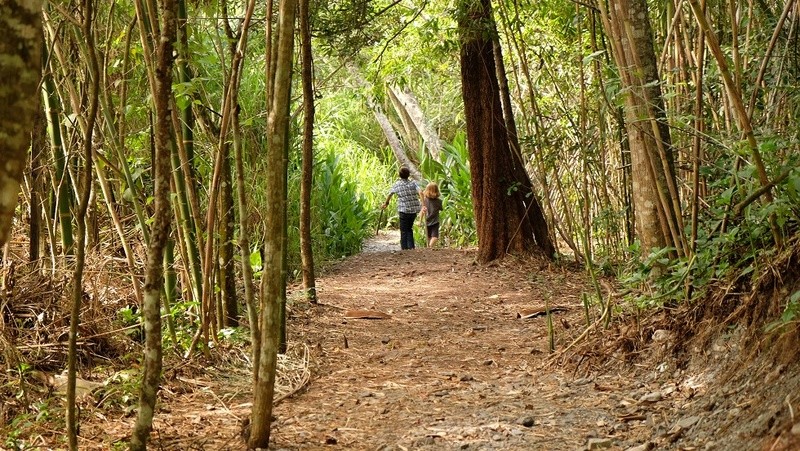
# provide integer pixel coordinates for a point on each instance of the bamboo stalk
(742, 115)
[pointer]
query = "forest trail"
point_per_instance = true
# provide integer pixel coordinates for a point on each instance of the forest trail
(451, 367)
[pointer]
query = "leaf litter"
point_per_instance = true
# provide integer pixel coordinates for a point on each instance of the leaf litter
(458, 359)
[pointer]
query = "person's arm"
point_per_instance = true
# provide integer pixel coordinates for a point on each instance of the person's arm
(386, 204)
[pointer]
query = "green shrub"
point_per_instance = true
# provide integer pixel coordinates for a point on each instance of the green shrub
(341, 209)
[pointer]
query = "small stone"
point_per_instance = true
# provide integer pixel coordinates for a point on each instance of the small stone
(497, 437)
(515, 432)
(386, 340)
(599, 443)
(488, 362)
(643, 447)
(466, 378)
(774, 374)
(526, 421)
(660, 335)
(366, 394)
(733, 413)
(331, 440)
(688, 422)
(425, 441)
(675, 431)
(796, 429)
(651, 397)
(441, 393)
(581, 381)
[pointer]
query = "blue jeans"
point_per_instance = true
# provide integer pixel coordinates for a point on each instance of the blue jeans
(407, 230)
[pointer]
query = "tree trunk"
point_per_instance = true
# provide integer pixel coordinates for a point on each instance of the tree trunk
(227, 275)
(93, 75)
(506, 209)
(228, 311)
(244, 233)
(385, 124)
(307, 180)
(36, 174)
(20, 49)
(159, 233)
(184, 174)
(273, 280)
(408, 131)
(412, 108)
(655, 196)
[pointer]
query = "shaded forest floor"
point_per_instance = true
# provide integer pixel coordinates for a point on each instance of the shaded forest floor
(452, 365)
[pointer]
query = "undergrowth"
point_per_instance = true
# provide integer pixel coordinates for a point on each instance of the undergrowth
(724, 278)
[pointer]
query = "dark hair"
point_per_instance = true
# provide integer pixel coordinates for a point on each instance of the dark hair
(404, 172)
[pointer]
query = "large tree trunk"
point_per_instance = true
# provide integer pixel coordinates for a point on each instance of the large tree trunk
(657, 208)
(507, 214)
(20, 72)
(273, 280)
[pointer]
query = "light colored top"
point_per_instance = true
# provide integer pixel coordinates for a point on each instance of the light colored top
(407, 196)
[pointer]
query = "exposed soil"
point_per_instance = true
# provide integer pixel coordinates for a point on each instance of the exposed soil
(453, 366)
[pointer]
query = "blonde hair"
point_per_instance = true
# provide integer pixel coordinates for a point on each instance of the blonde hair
(431, 191)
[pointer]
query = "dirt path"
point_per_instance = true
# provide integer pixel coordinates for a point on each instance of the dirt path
(453, 368)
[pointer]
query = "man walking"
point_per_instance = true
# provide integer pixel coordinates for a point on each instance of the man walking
(408, 206)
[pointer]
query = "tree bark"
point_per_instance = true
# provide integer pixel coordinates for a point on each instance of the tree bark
(408, 131)
(385, 124)
(93, 76)
(227, 275)
(273, 279)
(655, 196)
(412, 108)
(307, 180)
(20, 72)
(506, 209)
(159, 232)
(36, 174)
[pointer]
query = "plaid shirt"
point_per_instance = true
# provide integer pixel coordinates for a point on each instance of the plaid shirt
(407, 196)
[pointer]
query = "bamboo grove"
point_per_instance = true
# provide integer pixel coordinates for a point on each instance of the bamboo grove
(210, 147)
